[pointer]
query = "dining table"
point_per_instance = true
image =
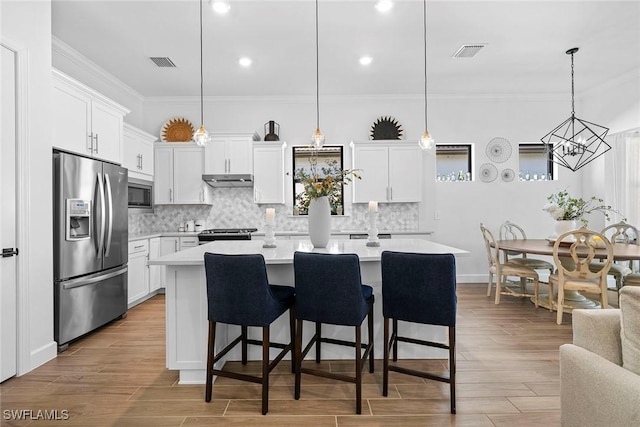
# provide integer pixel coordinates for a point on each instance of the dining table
(573, 299)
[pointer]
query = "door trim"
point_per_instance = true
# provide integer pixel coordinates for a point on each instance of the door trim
(22, 206)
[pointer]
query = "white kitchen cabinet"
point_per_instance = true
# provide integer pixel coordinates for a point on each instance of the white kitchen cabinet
(178, 175)
(138, 152)
(138, 272)
(268, 172)
(230, 153)
(155, 271)
(391, 172)
(188, 242)
(169, 245)
(86, 122)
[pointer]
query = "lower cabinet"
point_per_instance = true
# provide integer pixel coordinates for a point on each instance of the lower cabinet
(138, 275)
(156, 275)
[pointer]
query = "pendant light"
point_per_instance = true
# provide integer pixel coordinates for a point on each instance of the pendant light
(318, 138)
(426, 141)
(201, 137)
(576, 142)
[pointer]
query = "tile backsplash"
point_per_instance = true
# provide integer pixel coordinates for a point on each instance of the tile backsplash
(234, 208)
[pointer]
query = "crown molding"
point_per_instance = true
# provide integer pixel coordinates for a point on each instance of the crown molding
(61, 48)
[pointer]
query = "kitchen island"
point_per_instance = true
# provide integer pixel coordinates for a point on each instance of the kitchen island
(186, 300)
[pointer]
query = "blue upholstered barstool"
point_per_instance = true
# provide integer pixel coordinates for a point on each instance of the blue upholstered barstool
(419, 288)
(238, 293)
(329, 290)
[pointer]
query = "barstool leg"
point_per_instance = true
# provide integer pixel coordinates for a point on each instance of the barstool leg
(210, 357)
(292, 334)
(394, 337)
(385, 360)
(318, 340)
(265, 369)
(358, 370)
(370, 327)
(298, 357)
(244, 344)
(452, 367)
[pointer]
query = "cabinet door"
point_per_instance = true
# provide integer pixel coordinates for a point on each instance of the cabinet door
(131, 153)
(106, 125)
(188, 167)
(268, 174)
(239, 155)
(373, 165)
(138, 277)
(137, 154)
(146, 158)
(168, 245)
(155, 271)
(71, 119)
(163, 176)
(215, 156)
(405, 174)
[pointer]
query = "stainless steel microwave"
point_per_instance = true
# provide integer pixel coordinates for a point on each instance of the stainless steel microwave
(140, 196)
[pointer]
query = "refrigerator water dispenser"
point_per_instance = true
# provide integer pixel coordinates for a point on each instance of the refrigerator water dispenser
(78, 223)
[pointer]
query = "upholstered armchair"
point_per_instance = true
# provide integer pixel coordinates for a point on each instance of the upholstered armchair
(600, 371)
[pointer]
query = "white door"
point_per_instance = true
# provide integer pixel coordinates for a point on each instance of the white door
(405, 174)
(8, 265)
(268, 174)
(239, 154)
(106, 125)
(163, 176)
(188, 165)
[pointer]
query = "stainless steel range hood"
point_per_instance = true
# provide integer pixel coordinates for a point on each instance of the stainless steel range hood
(230, 180)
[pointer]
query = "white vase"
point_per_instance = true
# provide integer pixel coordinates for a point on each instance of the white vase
(562, 226)
(319, 222)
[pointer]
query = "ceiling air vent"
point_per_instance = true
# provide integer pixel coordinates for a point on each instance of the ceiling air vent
(162, 61)
(468, 50)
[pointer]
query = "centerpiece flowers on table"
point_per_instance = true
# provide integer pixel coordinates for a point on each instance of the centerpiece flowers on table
(563, 207)
(328, 182)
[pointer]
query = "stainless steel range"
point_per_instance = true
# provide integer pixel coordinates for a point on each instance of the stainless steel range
(225, 234)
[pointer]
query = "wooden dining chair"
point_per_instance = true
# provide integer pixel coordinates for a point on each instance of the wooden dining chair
(511, 231)
(504, 269)
(618, 233)
(574, 268)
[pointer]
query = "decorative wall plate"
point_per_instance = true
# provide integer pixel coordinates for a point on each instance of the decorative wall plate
(498, 150)
(386, 128)
(488, 172)
(507, 175)
(177, 129)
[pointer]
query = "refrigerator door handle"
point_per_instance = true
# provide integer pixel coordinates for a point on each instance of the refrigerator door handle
(83, 281)
(109, 237)
(102, 216)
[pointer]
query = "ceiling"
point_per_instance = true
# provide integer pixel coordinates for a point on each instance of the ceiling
(524, 53)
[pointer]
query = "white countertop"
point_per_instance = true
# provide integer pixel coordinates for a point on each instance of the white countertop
(283, 253)
(260, 233)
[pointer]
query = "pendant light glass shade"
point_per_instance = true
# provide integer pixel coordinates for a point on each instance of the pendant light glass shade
(318, 137)
(426, 141)
(201, 136)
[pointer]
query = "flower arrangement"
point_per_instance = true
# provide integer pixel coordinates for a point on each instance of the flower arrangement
(328, 182)
(562, 206)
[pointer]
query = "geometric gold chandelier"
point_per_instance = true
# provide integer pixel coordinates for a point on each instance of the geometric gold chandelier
(576, 142)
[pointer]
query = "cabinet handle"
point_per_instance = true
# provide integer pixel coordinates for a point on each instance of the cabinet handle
(96, 137)
(176, 245)
(141, 167)
(171, 195)
(138, 247)
(90, 143)
(390, 193)
(229, 165)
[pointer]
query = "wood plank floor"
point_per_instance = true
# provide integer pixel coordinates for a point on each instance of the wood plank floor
(508, 375)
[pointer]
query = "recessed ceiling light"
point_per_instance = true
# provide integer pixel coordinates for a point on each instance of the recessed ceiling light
(384, 6)
(245, 61)
(365, 60)
(220, 7)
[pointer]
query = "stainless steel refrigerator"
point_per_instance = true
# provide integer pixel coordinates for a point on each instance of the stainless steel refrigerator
(90, 244)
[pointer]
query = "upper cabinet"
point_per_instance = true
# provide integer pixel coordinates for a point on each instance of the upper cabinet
(268, 172)
(86, 122)
(391, 171)
(178, 175)
(230, 153)
(138, 152)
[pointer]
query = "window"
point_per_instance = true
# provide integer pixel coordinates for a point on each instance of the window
(302, 160)
(536, 162)
(453, 162)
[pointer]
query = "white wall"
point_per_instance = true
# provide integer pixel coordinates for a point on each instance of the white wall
(27, 24)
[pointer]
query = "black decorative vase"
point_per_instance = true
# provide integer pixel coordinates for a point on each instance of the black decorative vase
(271, 131)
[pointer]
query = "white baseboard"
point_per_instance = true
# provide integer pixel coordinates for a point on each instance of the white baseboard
(42, 355)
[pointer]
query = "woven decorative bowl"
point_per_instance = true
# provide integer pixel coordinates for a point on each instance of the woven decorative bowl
(177, 129)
